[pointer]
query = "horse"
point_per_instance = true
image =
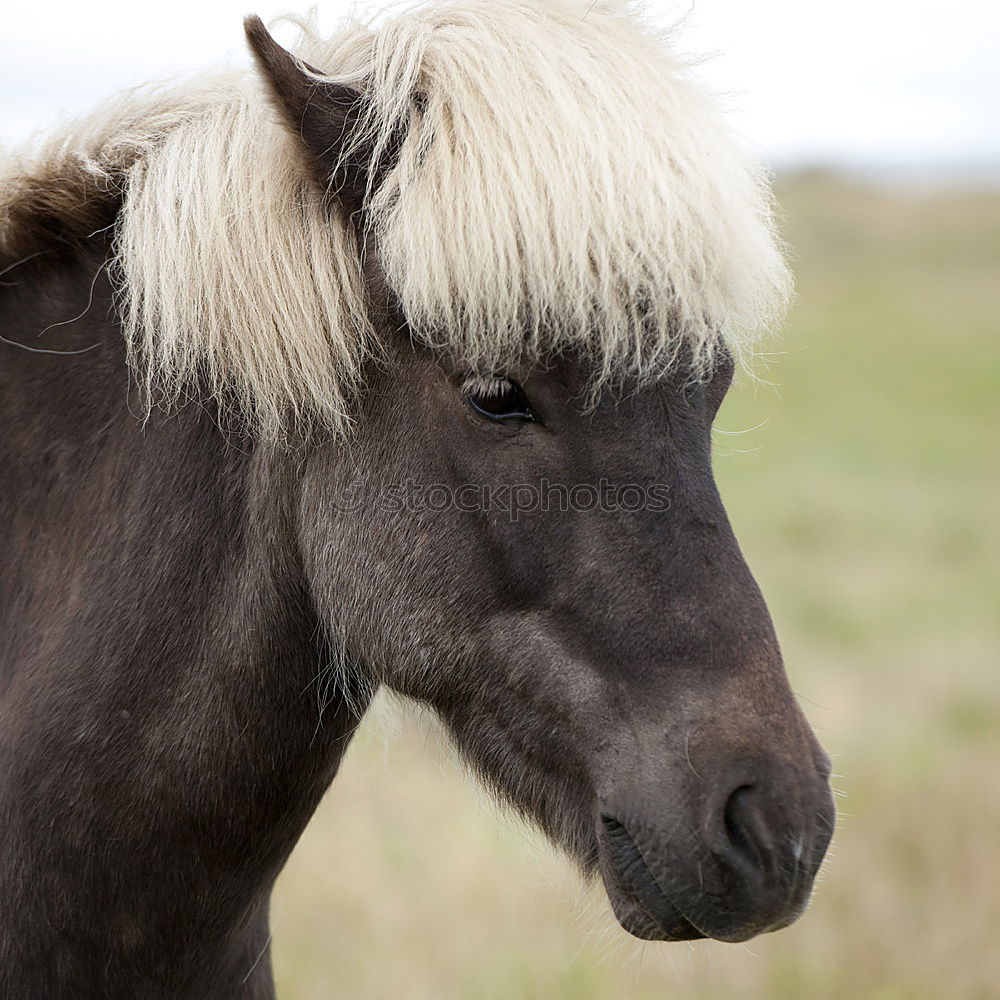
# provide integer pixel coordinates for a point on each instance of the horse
(388, 361)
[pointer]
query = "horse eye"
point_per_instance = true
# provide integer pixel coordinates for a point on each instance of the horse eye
(498, 399)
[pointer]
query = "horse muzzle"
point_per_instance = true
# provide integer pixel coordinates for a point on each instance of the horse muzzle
(730, 866)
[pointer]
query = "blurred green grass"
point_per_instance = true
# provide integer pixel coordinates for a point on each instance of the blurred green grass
(864, 484)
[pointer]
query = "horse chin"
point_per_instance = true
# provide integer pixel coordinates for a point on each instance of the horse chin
(641, 923)
(644, 911)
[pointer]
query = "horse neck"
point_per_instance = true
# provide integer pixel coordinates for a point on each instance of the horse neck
(159, 654)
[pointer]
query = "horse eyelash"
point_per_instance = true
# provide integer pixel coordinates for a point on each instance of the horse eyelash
(488, 386)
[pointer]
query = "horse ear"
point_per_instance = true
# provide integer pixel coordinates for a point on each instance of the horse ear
(322, 114)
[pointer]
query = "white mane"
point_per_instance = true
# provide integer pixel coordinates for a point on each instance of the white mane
(561, 183)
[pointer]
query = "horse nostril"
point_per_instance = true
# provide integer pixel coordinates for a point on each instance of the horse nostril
(748, 836)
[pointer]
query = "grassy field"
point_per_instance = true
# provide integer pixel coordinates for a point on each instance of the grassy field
(865, 487)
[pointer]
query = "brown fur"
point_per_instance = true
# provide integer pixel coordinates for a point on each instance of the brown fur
(51, 210)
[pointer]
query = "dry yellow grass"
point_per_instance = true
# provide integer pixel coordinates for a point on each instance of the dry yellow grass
(867, 504)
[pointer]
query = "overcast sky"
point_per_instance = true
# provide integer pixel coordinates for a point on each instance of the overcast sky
(864, 83)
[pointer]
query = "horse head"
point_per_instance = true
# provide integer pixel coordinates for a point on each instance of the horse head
(523, 531)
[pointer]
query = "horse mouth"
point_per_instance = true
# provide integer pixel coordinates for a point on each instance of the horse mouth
(639, 904)
(732, 913)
